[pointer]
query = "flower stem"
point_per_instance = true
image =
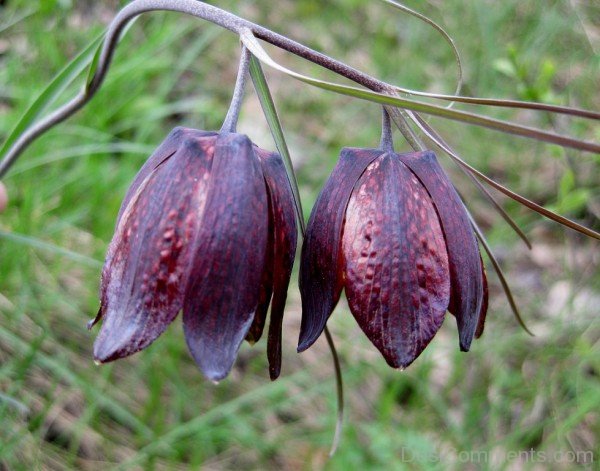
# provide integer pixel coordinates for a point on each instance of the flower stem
(230, 122)
(339, 383)
(190, 7)
(387, 142)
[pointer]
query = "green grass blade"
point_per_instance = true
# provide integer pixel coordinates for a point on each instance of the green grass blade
(16, 19)
(51, 248)
(49, 95)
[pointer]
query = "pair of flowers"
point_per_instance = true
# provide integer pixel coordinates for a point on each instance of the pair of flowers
(208, 227)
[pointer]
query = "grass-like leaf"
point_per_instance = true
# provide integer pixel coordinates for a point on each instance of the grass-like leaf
(254, 46)
(500, 273)
(444, 34)
(52, 91)
(41, 245)
(266, 100)
(442, 144)
(510, 221)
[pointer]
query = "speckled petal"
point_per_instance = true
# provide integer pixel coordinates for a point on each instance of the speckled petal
(321, 274)
(463, 251)
(285, 234)
(228, 259)
(395, 261)
(147, 264)
(162, 152)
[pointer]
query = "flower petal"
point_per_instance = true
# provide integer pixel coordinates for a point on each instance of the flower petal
(163, 152)
(320, 267)
(283, 217)
(463, 251)
(484, 304)
(143, 279)
(395, 261)
(228, 259)
(266, 288)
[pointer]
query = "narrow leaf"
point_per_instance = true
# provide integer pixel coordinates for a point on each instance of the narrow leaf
(254, 46)
(423, 124)
(501, 277)
(52, 91)
(266, 100)
(439, 29)
(435, 137)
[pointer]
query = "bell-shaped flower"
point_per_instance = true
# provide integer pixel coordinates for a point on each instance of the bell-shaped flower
(391, 229)
(207, 227)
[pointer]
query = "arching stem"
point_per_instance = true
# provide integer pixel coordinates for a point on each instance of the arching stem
(195, 8)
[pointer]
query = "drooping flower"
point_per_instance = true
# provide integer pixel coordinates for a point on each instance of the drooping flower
(207, 227)
(391, 229)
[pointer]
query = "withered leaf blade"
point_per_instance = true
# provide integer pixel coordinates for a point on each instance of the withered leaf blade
(143, 279)
(463, 251)
(228, 257)
(285, 234)
(395, 261)
(162, 152)
(321, 273)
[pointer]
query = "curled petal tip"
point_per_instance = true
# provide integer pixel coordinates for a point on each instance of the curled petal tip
(305, 343)
(112, 348)
(92, 322)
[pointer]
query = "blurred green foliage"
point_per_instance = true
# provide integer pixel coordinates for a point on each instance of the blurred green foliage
(511, 393)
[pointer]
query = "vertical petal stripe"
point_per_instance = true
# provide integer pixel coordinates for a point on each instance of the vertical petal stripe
(484, 303)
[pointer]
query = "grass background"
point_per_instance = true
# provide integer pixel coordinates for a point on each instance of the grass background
(511, 394)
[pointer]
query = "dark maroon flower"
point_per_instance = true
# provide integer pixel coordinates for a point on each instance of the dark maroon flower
(391, 229)
(207, 227)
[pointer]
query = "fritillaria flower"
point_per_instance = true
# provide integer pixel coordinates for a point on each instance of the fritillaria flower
(391, 229)
(207, 227)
